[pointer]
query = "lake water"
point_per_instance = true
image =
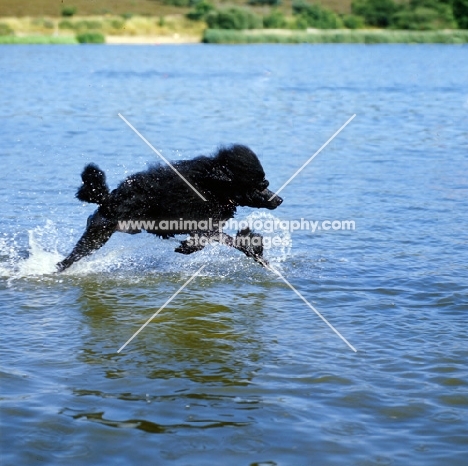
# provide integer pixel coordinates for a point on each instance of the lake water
(237, 369)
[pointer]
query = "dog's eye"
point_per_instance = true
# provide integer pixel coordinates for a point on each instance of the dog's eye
(263, 184)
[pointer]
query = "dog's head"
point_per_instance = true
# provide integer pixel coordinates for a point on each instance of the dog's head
(240, 166)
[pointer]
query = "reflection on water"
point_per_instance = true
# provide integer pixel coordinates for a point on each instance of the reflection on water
(194, 338)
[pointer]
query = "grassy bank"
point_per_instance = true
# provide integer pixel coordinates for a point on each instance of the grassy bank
(38, 40)
(360, 36)
(107, 25)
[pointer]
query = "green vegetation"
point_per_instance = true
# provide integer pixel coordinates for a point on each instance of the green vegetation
(460, 11)
(353, 21)
(40, 40)
(424, 15)
(275, 20)
(68, 10)
(201, 10)
(264, 2)
(218, 36)
(91, 38)
(413, 14)
(179, 3)
(404, 14)
(309, 15)
(376, 13)
(233, 18)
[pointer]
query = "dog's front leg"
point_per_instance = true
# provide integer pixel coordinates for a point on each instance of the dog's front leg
(97, 232)
(246, 241)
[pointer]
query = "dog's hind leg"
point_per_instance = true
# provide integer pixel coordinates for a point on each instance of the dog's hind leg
(98, 231)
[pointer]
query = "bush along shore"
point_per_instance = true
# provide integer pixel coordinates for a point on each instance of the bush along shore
(370, 21)
(335, 36)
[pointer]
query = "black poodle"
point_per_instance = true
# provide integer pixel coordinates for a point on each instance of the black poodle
(192, 197)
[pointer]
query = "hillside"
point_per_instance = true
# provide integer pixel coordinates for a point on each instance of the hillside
(143, 7)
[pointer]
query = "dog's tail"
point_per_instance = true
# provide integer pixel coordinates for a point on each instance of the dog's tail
(94, 189)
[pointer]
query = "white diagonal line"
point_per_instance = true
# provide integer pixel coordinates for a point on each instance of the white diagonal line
(163, 306)
(269, 267)
(160, 155)
(310, 160)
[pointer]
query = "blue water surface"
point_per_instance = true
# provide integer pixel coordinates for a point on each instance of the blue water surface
(237, 369)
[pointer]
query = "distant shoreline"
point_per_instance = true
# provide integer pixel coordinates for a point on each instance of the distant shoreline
(178, 29)
(261, 36)
(213, 36)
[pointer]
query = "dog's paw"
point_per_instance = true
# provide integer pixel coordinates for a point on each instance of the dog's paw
(61, 266)
(188, 247)
(251, 244)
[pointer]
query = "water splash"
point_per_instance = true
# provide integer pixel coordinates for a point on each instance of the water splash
(37, 259)
(126, 254)
(275, 252)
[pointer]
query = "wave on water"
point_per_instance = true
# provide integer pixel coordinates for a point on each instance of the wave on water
(45, 246)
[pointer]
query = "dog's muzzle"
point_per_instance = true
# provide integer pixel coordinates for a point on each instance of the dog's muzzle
(261, 199)
(275, 202)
